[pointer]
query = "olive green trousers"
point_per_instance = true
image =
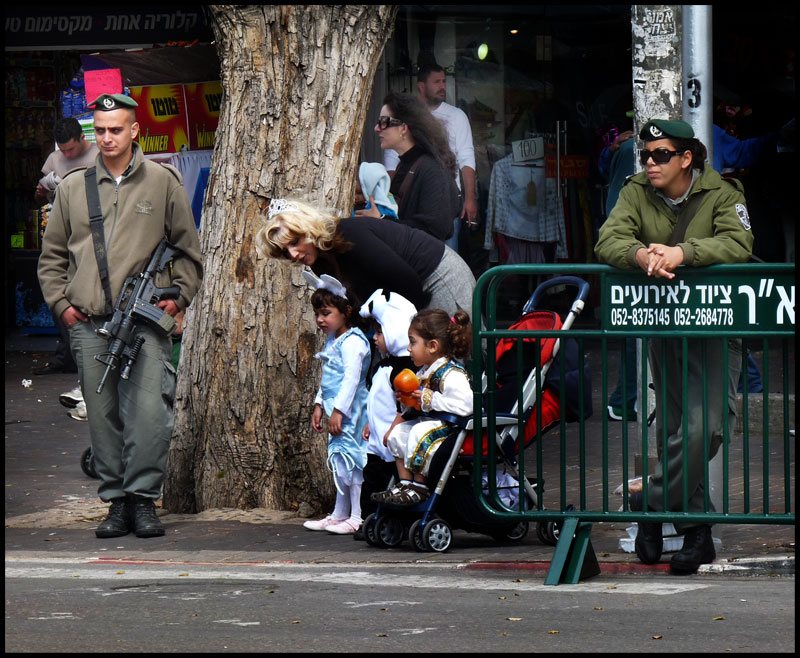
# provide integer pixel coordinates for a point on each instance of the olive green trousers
(130, 421)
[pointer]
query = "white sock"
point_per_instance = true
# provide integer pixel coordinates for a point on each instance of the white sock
(355, 503)
(342, 509)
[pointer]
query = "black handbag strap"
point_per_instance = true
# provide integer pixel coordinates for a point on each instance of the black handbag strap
(98, 235)
(685, 215)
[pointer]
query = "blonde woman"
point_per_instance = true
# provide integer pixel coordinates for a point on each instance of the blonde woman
(366, 254)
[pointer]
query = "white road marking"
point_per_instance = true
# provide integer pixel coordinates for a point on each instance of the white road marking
(378, 576)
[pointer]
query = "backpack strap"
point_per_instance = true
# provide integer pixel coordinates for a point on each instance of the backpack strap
(401, 193)
(98, 235)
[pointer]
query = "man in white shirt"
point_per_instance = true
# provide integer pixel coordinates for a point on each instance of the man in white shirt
(432, 85)
(73, 151)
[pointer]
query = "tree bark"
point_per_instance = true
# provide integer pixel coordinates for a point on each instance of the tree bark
(296, 84)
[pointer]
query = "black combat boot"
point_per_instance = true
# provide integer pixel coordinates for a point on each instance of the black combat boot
(118, 522)
(649, 543)
(143, 515)
(698, 548)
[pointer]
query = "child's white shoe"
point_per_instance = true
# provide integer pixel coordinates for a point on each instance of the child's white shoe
(322, 524)
(346, 527)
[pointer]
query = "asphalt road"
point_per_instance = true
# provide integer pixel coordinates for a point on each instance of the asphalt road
(64, 604)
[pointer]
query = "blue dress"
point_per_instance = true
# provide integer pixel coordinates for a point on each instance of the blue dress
(348, 445)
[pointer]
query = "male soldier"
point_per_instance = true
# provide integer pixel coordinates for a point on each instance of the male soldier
(142, 202)
(432, 85)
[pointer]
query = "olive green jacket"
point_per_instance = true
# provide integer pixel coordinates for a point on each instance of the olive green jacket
(148, 204)
(718, 233)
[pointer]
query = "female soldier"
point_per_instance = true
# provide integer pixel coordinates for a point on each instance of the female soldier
(679, 211)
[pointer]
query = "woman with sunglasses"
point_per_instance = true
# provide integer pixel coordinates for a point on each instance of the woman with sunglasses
(424, 181)
(679, 211)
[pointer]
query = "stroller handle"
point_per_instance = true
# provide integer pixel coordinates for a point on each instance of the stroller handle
(582, 296)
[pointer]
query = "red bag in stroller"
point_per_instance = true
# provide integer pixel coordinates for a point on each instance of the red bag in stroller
(549, 405)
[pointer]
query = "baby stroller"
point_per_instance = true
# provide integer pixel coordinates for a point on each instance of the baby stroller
(452, 504)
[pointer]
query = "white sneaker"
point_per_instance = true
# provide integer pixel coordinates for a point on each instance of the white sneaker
(79, 412)
(346, 527)
(322, 524)
(71, 398)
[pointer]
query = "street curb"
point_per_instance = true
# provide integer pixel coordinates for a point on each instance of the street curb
(773, 566)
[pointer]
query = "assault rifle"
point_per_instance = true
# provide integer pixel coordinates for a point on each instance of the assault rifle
(136, 304)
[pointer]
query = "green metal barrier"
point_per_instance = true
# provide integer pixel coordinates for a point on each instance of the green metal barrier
(724, 302)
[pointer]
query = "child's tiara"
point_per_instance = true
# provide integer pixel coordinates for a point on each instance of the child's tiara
(325, 282)
(277, 206)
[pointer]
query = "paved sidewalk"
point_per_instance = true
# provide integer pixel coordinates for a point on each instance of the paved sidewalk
(52, 509)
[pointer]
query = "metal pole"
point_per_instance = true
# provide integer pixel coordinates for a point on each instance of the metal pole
(698, 73)
(698, 84)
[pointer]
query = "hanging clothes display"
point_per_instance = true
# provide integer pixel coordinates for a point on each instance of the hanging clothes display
(525, 205)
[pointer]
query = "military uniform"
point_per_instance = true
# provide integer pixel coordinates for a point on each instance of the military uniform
(131, 420)
(719, 232)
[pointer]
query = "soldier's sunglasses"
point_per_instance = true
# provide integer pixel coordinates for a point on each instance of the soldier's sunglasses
(660, 156)
(384, 122)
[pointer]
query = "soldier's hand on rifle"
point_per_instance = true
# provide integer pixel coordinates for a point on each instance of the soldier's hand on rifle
(169, 307)
(72, 316)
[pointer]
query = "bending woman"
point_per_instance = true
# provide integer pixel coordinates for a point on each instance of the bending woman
(365, 255)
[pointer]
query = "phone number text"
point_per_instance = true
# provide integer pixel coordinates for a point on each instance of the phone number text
(675, 317)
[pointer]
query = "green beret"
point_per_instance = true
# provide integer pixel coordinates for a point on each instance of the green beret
(662, 129)
(109, 102)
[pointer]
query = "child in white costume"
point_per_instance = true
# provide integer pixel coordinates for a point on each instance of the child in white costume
(435, 341)
(392, 314)
(342, 396)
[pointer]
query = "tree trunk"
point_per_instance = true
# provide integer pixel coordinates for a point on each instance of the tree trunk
(296, 82)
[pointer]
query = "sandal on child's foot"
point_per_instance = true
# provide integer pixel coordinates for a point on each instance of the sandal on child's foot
(410, 494)
(383, 496)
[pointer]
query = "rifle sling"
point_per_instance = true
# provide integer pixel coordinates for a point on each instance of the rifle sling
(98, 235)
(685, 216)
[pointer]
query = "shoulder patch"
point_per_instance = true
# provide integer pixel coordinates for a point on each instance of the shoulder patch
(744, 218)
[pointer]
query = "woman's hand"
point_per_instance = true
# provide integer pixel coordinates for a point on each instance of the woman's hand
(365, 433)
(659, 260)
(372, 211)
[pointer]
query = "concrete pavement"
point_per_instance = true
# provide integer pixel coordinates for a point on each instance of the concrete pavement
(52, 509)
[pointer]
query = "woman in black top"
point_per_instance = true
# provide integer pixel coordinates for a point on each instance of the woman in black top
(424, 181)
(366, 254)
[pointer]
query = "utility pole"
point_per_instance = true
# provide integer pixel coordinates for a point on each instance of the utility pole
(657, 93)
(672, 71)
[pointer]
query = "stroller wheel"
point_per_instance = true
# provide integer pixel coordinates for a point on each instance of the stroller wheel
(389, 531)
(416, 538)
(547, 532)
(87, 463)
(515, 534)
(437, 535)
(369, 531)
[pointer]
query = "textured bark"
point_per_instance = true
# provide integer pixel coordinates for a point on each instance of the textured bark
(296, 82)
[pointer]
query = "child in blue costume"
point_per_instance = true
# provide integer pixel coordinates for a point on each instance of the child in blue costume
(342, 396)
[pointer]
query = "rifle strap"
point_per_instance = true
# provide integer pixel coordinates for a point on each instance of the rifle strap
(98, 235)
(685, 215)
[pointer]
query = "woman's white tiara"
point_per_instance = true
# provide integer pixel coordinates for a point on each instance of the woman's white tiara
(277, 206)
